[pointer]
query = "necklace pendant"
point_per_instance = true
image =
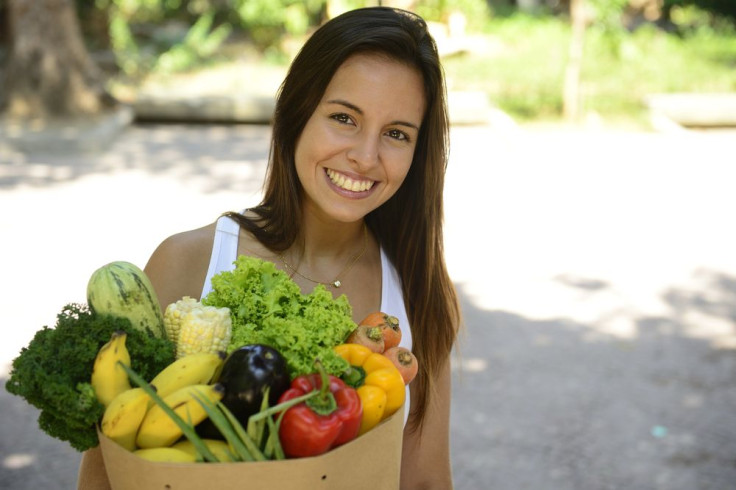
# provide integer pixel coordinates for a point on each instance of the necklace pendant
(337, 283)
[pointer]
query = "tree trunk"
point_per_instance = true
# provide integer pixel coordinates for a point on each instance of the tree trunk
(48, 72)
(571, 90)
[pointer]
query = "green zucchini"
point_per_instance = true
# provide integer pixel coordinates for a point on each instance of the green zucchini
(122, 289)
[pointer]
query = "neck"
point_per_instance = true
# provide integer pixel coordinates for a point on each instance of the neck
(323, 240)
(326, 254)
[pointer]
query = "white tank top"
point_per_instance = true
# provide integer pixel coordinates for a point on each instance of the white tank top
(225, 251)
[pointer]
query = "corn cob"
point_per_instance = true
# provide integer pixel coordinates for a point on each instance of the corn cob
(204, 329)
(174, 314)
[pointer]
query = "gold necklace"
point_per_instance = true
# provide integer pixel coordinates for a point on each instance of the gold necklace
(335, 283)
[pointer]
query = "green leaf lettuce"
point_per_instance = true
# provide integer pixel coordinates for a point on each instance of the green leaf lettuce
(267, 307)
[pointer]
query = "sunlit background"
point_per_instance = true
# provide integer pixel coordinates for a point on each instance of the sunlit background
(588, 210)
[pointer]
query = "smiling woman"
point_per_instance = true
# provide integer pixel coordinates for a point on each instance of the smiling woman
(353, 201)
(355, 152)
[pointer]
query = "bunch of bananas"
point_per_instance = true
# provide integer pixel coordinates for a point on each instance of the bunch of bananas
(135, 422)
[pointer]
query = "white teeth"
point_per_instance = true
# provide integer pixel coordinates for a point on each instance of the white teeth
(347, 183)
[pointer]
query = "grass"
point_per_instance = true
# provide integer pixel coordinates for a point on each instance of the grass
(521, 63)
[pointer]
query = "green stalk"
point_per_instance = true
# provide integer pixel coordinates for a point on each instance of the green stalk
(223, 424)
(354, 376)
(244, 437)
(282, 407)
(324, 403)
(277, 451)
(186, 429)
(256, 430)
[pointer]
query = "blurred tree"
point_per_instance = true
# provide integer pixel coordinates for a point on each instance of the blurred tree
(725, 8)
(48, 71)
(268, 21)
(571, 84)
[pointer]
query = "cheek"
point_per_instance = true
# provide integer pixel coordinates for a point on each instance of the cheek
(314, 145)
(304, 152)
(399, 167)
(305, 142)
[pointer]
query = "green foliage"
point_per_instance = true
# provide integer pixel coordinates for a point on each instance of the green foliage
(523, 74)
(716, 8)
(123, 43)
(608, 22)
(53, 372)
(142, 42)
(477, 12)
(523, 71)
(693, 20)
(200, 42)
(608, 12)
(138, 54)
(267, 20)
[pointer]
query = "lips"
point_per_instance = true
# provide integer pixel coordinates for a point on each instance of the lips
(349, 184)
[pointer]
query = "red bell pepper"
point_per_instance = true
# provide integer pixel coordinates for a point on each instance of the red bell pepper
(327, 420)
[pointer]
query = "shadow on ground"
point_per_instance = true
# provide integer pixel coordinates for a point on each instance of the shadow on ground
(557, 405)
(221, 153)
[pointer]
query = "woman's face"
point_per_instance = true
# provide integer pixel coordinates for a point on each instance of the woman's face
(357, 146)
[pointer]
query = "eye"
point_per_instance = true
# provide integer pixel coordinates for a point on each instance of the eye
(342, 118)
(397, 135)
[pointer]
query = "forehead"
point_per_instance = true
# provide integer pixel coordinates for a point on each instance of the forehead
(373, 81)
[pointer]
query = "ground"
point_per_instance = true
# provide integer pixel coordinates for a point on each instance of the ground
(595, 268)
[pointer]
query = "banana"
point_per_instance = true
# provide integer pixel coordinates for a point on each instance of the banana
(108, 378)
(165, 455)
(193, 369)
(159, 430)
(220, 449)
(124, 416)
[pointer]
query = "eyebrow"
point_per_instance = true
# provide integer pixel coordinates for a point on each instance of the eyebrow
(360, 111)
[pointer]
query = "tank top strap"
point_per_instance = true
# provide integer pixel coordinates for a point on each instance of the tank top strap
(392, 298)
(392, 303)
(224, 250)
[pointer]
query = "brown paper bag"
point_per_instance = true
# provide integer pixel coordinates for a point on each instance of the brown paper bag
(371, 461)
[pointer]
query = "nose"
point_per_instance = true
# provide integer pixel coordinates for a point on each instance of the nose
(363, 151)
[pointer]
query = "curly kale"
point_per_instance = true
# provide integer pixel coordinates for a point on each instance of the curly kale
(53, 372)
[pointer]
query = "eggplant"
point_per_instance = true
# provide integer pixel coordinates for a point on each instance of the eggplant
(245, 374)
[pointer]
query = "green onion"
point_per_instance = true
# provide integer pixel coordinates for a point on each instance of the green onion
(244, 437)
(282, 407)
(222, 423)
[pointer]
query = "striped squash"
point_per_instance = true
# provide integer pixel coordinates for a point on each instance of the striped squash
(122, 289)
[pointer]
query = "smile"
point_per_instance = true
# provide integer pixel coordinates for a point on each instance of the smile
(345, 182)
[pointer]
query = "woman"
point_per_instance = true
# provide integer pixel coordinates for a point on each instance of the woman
(353, 200)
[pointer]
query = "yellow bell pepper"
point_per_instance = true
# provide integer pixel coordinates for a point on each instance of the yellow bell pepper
(378, 382)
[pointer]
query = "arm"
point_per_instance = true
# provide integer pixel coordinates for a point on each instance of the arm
(425, 461)
(178, 266)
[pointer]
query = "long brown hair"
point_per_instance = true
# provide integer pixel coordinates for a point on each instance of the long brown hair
(409, 225)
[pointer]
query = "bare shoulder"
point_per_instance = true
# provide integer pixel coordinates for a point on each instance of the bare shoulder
(179, 264)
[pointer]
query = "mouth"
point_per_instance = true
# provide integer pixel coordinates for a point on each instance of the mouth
(349, 184)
